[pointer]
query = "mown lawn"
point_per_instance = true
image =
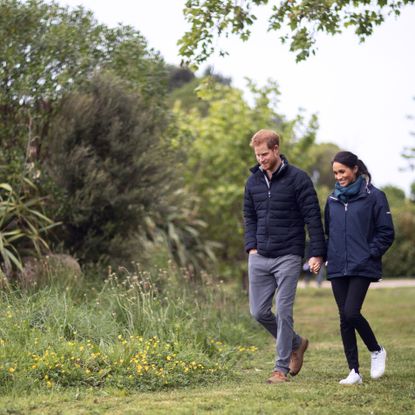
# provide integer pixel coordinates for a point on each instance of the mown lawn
(314, 391)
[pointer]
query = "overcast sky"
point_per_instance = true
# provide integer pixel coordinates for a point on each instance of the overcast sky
(362, 93)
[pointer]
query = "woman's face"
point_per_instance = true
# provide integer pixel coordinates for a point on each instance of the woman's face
(344, 174)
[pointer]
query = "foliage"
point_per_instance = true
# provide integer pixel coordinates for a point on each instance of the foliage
(219, 156)
(51, 56)
(22, 225)
(409, 152)
(412, 194)
(182, 229)
(136, 331)
(395, 195)
(400, 258)
(188, 98)
(109, 156)
(409, 155)
(47, 50)
(184, 87)
(113, 163)
(244, 392)
(320, 170)
(179, 76)
(298, 21)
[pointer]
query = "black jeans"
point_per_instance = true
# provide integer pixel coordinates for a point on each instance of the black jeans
(350, 292)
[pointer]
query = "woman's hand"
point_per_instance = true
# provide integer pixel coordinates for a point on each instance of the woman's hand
(315, 263)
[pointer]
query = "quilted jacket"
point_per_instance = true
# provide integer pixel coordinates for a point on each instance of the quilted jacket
(277, 210)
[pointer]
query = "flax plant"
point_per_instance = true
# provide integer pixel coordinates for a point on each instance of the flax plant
(22, 224)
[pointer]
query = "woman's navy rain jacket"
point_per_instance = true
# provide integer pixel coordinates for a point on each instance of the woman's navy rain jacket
(359, 233)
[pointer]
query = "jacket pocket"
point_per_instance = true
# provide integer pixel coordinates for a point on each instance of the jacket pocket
(335, 260)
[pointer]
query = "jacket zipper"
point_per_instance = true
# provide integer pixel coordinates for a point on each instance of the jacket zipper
(345, 222)
(345, 241)
(268, 204)
(345, 227)
(268, 183)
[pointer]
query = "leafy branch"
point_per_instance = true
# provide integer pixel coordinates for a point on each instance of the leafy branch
(298, 21)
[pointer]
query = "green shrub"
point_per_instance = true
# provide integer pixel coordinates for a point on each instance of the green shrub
(110, 159)
(399, 260)
(23, 224)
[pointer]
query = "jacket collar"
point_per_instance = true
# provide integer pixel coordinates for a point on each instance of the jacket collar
(257, 169)
(364, 191)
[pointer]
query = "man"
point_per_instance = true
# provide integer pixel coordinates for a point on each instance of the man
(279, 201)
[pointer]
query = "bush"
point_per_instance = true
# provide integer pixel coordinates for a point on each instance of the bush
(399, 260)
(23, 225)
(112, 166)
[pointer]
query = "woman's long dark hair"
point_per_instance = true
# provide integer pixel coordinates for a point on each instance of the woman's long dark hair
(350, 160)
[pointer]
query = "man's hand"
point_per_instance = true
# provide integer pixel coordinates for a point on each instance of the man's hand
(315, 264)
(252, 251)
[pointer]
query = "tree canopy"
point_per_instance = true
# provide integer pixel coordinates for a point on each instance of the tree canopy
(219, 155)
(105, 150)
(46, 50)
(85, 110)
(409, 151)
(298, 22)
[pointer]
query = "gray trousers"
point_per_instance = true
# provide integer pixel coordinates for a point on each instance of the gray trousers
(268, 276)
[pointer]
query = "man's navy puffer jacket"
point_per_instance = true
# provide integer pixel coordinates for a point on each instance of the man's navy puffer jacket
(275, 215)
(359, 233)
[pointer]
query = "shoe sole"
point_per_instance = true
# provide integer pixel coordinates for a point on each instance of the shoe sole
(269, 382)
(359, 382)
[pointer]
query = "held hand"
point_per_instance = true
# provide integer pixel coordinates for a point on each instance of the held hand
(252, 251)
(315, 263)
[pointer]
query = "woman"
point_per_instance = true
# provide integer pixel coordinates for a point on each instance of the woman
(360, 230)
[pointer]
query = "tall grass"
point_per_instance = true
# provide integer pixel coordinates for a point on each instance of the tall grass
(135, 329)
(314, 391)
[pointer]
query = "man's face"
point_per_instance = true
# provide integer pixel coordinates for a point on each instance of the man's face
(268, 158)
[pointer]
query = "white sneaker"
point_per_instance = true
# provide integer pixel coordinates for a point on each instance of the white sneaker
(352, 379)
(378, 363)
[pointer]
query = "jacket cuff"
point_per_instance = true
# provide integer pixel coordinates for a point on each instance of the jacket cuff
(249, 247)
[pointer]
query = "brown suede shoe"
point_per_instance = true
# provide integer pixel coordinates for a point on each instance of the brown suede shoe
(278, 377)
(297, 357)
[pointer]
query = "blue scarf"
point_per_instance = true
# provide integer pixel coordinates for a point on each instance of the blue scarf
(347, 192)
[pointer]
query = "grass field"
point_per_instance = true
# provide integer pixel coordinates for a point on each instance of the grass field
(314, 391)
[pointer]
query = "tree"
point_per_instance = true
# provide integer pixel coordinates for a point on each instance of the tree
(179, 76)
(412, 194)
(187, 89)
(219, 156)
(409, 152)
(321, 156)
(399, 260)
(47, 50)
(116, 173)
(395, 195)
(108, 155)
(298, 21)
(83, 109)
